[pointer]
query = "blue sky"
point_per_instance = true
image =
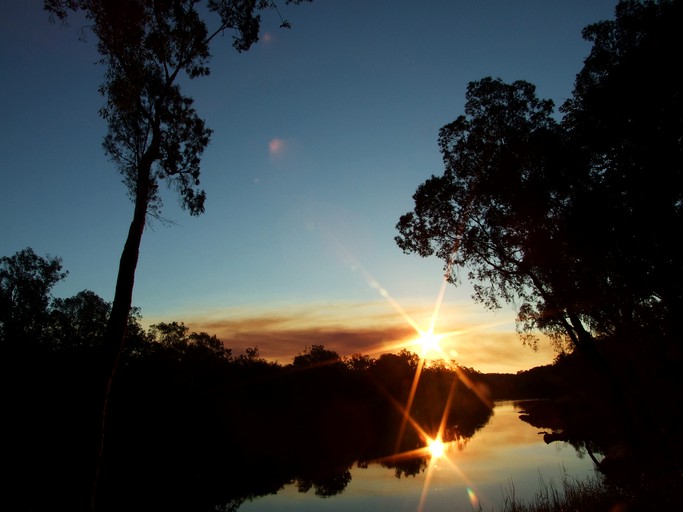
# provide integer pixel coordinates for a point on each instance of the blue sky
(321, 135)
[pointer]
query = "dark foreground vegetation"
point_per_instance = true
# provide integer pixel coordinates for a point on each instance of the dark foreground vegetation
(192, 426)
(590, 495)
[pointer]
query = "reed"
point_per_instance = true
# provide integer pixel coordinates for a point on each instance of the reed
(586, 495)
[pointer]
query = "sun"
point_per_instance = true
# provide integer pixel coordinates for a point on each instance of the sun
(436, 448)
(429, 341)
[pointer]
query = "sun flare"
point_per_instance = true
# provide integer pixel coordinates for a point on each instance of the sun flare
(429, 342)
(436, 448)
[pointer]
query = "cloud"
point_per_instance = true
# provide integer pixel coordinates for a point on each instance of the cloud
(368, 328)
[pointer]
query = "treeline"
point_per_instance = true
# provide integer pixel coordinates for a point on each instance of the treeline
(191, 425)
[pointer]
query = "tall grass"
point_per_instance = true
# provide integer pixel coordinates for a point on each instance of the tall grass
(574, 495)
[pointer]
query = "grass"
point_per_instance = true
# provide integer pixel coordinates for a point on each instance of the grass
(589, 495)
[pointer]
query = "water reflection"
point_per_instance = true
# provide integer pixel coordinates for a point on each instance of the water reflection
(248, 435)
(506, 453)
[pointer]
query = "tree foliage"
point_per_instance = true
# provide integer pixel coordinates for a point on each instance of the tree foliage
(176, 337)
(26, 281)
(154, 133)
(79, 321)
(625, 119)
(316, 355)
(573, 221)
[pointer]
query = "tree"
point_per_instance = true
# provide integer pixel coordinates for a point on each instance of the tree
(154, 133)
(572, 221)
(176, 338)
(497, 208)
(315, 356)
(26, 280)
(626, 118)
(79, 321)
(576, 221)
(358, 362)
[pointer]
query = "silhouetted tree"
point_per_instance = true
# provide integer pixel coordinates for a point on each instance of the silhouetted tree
(315, 355)
(358, 362)
(26, 281)
(79, 321)
(576, 221)
(497, 208)
(625, 119)
(155, 135)
(177, 338)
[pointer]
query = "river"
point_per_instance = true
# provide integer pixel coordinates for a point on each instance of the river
(507, 456)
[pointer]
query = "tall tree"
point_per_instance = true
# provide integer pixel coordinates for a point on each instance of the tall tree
(573, 221)
(626, 118)
(497, 210)
(576, 221)
(155, 135)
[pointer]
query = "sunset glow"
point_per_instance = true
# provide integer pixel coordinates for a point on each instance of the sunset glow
(429, 344)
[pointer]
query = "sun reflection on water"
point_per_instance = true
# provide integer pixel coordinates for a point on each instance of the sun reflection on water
(429, 346)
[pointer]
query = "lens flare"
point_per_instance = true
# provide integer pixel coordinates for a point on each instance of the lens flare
(276, 146)
(437, 448)
(473, 498)
(429, 342)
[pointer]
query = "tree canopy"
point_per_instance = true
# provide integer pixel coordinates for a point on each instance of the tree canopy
(154, 133)
(26, 281)
(572, 220)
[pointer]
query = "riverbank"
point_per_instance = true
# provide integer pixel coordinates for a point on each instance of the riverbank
(594, 495)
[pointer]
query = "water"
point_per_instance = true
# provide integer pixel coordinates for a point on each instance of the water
(506, 456)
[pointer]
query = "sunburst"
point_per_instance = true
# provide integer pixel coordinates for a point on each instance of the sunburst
(429, 343)
(437, 448)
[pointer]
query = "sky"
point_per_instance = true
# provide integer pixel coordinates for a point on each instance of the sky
(322, 133)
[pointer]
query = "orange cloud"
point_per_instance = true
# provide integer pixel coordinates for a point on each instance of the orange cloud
(371, 329)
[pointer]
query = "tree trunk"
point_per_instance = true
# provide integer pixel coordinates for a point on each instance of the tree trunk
(115, 333)
(607, 378)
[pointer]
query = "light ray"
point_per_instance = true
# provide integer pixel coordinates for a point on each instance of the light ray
(434, 448)
(409, 404)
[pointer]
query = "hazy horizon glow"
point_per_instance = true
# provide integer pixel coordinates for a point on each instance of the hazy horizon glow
(369, 328)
